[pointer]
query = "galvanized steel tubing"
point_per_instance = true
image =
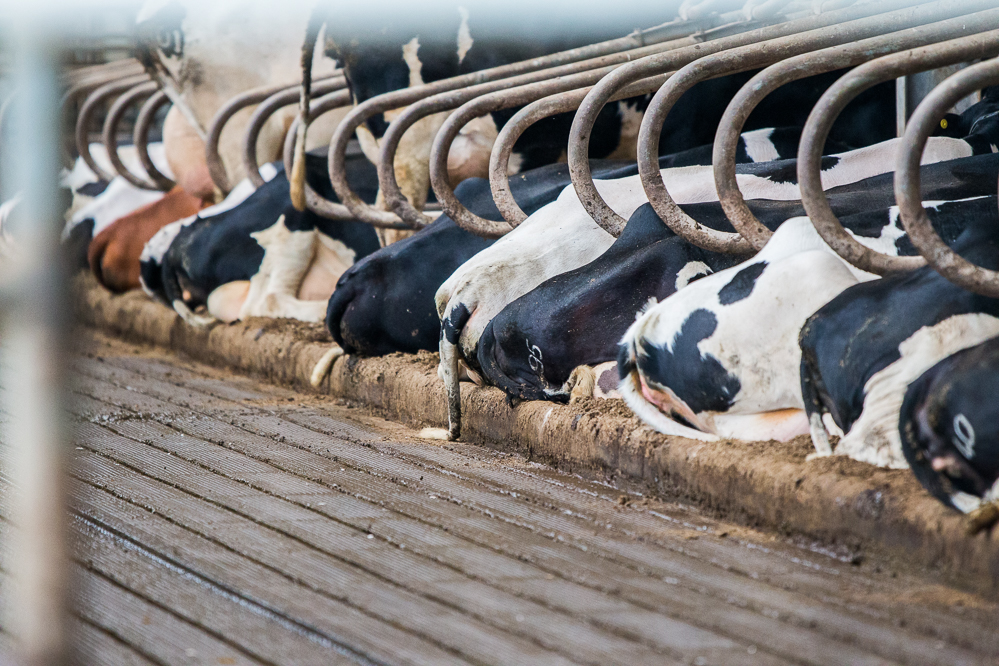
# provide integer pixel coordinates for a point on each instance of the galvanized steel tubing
(917, 224)
(828, 108)
(802, 66)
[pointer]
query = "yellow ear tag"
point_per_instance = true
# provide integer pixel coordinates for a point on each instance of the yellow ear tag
(943, 123)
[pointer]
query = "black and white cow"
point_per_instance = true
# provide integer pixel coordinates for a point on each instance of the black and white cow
(259, 256)
(561, 237)
(385, 303)
(949, 427)
(861, 350)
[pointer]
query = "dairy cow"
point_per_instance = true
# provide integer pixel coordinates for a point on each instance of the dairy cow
(949, 427)
(257, 255)
(861, 350)
(562, 237)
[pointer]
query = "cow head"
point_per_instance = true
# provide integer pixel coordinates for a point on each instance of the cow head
(978, 124)
(949, 425)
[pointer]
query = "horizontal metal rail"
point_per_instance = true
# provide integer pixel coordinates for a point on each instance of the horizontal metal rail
(110, 133)
(140, 138)
(579, 59)
(802, 66)
(602, 92)
(269, 107)
(741, 60)
(824, 114)
(917, 224)
(93, 101)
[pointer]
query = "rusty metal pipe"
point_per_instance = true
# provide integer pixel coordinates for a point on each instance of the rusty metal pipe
(740, 60)
(563, 63)
(95, 99)
(140, 138)
(917, 224)
(218, 123)
(110, 132)
(499, 158)
(317, 107)
(82, 86)
(809, 64)
(285, 97)
(828, 108)
(582, 125)
(505, 93)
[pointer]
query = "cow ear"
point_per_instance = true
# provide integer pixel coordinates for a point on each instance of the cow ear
(952, 126)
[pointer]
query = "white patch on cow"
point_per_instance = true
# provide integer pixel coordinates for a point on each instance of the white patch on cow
(118, 199)
(852, 166)
(689, 271)
(273, 289)
(756, 337)
(874, 437)
(631, 123)
(409, 56)
(515, 164)
(157, 246)
(332, 258)
(469, 153)
(759, 147)
(465, 40)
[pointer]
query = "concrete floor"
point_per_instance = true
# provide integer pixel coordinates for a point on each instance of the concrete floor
(222, 521)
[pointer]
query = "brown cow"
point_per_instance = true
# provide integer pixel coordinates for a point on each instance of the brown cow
(114, 253)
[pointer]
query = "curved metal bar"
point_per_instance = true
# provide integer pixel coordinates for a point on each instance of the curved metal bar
(917, 224)
(215, 167)
(95, 99)
(740, 60)
(84, 86)
(564, 63)
(285, 97)
(140, 137)
(589, 110)
(499, 158)
(110, 133)
(318, 107)
(798, 67)
(821, 120)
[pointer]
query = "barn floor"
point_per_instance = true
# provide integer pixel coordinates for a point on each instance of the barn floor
(218, 520)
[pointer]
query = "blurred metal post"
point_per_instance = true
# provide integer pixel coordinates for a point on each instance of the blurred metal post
(32, 325)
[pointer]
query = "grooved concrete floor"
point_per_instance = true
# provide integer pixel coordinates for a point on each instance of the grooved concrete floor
(221, 521)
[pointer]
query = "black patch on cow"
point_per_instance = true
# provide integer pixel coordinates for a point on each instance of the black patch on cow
(605, 382)
(76, 243)
(741, 286)
(93, 189)
(452, 325)
(786, 171)
(624, 363)
(699, 380)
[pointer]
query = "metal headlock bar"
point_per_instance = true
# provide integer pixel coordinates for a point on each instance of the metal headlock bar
(270, 106)
(140, 138)
(355, 208)
(502, 94)
(810, 64)
(828, 108)
(602, 92)
(741, 60)
(93, 101)
(215, 167)
(110, 133)
(917, 224)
